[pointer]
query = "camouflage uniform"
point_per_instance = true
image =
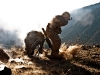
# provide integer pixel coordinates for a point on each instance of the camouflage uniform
(54, 28)
(32, 40)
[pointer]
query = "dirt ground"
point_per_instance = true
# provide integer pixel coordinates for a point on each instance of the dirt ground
(85, 62)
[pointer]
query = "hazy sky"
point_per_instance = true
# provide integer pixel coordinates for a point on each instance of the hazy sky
(27, 15)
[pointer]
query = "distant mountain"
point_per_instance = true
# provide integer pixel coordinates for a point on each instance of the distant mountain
(84, 28)
(93, 6)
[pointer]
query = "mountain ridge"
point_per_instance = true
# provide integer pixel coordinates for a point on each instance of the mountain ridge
(84, 30)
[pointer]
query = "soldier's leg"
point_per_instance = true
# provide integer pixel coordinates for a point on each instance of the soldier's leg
(33, 48)
(27, 48)
(41, 47)
(56, 42)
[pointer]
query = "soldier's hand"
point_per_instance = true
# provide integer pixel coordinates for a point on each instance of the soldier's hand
(58, 30)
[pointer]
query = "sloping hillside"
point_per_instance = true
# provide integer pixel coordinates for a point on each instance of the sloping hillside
(84, 29)
(85, 62)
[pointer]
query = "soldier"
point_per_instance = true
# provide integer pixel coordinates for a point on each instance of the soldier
(32, 40)
(54, 28)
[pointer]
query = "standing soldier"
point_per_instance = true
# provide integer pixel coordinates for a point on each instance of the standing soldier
(54, 28)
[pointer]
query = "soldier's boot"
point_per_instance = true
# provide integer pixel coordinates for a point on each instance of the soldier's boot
(55, 55)
(29, 52)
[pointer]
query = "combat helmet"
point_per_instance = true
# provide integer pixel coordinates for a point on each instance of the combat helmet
(66, 15)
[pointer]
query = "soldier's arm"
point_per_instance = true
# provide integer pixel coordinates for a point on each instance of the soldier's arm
(58, 30)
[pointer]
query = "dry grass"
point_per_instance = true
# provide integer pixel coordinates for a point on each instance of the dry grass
(69, 52)
(46, 66)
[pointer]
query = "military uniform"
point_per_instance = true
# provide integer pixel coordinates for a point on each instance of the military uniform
(54, 28)
(32, 40)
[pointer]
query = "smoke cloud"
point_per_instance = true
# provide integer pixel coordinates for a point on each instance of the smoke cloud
(9, 38)
(87, 20)
(79, 16)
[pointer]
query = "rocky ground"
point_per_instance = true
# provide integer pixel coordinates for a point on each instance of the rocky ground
(85, 62)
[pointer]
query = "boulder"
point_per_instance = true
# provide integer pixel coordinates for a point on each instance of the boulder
(3, 56)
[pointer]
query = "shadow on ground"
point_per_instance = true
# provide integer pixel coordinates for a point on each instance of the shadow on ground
(59, 67)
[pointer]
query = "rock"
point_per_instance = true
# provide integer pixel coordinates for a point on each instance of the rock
(3, 56)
